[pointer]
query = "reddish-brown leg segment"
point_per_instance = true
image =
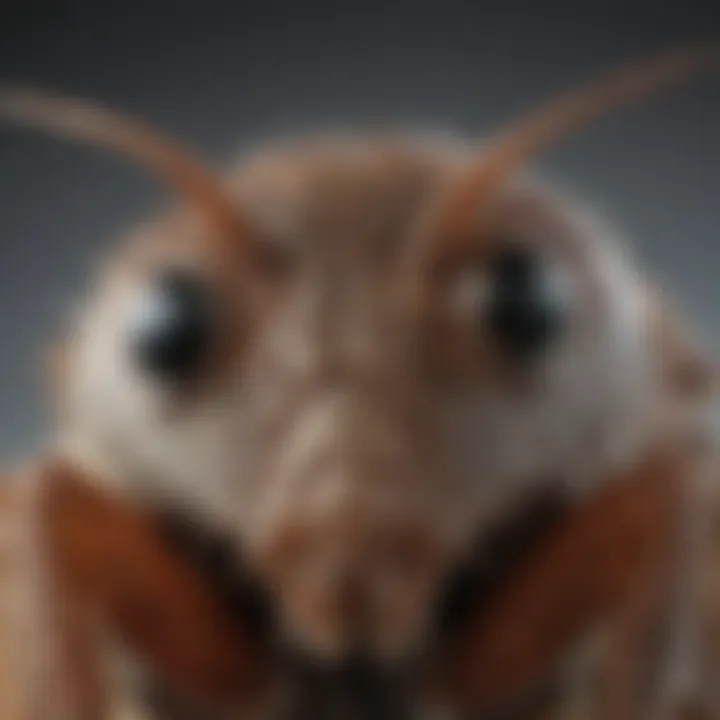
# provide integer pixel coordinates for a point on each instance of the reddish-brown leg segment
(611, 560)
(49, 669)
(115, 561)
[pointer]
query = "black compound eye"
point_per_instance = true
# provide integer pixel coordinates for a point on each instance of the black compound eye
(171, 327)
(525, 310)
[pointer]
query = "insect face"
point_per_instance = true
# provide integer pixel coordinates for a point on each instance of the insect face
(368, 353)
(349, 432)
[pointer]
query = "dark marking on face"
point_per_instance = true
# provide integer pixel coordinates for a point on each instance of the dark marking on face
(216, 558)
(494, 559)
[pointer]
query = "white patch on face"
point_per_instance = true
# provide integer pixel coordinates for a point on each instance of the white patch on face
(591, 412)
(147, 311)
(121, 423)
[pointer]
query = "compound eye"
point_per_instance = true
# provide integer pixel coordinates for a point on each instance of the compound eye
(517, 301)
(170, 327)
(525, 308)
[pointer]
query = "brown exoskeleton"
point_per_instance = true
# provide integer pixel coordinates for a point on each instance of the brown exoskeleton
(352, 361)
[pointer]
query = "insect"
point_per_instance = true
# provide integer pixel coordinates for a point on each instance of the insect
(352, 360)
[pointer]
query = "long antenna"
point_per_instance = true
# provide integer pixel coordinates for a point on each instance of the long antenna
(91, 122)
(511, 149)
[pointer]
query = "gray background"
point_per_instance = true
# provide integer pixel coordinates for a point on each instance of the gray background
(224, 74)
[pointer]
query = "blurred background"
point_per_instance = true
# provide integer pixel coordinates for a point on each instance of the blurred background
(224, 75)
